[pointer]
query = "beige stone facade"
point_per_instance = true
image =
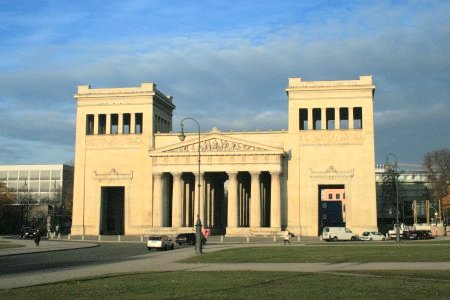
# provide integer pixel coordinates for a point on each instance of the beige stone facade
(134, 176)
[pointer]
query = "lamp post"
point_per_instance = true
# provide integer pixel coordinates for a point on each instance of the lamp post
(198, 224)
(393, 170)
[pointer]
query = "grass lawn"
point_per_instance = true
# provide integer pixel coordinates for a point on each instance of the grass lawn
(331, 253)
(247, 285)
(6, 244)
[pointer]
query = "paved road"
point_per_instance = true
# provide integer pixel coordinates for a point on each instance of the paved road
(167, 261)
(89, 254)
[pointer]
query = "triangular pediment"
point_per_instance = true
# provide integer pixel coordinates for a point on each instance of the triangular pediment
(215, 143)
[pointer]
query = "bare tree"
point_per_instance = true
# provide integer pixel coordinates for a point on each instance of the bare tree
(437, 165)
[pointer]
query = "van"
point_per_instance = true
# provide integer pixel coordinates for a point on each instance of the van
(338, 234)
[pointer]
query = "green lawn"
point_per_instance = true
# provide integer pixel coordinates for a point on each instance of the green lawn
(330, 253)
(6, 244)
(247, 285)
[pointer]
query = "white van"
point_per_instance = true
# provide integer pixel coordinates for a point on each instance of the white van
(338, 234)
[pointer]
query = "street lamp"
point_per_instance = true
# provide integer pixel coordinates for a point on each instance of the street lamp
(393, 169)
(198, 225)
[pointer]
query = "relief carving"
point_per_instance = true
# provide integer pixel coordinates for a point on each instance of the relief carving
(331, 137)
(113, 142)
(216, 145)
(331, 173)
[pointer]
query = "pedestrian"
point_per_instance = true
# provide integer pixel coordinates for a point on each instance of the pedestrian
(37, 237)
(287, 237)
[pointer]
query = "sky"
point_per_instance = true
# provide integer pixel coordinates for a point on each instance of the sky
(216, 56)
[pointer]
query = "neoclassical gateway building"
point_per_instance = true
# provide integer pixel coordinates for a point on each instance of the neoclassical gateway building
(134, 176)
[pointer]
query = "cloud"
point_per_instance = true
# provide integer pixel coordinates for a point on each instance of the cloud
(233, 76)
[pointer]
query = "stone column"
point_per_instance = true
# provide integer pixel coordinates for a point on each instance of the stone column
(350, 118)
(275, 206)
(310, 119)
(187, 205)
(323, 118)
(255, 205)
(232, 200)
(95, 129)
(197, 192)
(337, 119)
(157, 199)
(108, 124)
(177, 201)
(132, 123)
(120, 123)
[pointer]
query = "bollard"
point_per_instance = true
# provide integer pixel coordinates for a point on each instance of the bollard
(59, 236)
(274, 238)
(82, 237)
(142, 238)
(298, 238)
(248, 239)
(221, 238)
(99, 237)
(118, 238)
(68, 236)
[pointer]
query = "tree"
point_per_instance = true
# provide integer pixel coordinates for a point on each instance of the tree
(437, 165)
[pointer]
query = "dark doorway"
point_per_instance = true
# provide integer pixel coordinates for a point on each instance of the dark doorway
(112, 210)
(332, 206)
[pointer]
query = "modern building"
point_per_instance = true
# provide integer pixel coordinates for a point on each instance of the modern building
(134, 176)
(44, 191)
(413, 198)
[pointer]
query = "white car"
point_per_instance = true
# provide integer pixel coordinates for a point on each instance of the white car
(162, 242)
(372, 236)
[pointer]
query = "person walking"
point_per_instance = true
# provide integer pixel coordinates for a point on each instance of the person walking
(287, 237)
(37, 237)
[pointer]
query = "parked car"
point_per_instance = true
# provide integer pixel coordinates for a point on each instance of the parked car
(419, 235)
(188, 238)
(338, 233)
(162, 242)
(372, 236)
(27, 233)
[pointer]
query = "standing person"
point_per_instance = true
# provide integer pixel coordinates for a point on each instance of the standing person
(37, 238)
(287, 237)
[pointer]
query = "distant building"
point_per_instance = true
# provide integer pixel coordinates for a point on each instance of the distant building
(413, 186)
(43, 191)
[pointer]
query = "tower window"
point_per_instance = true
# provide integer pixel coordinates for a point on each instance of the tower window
(317, 119)
(114, 123)
(357, 118)
(303, 114)
(330, 118)
(89, 124)
(138, 123)
(126, 123)
(343, 118)
(102, 124)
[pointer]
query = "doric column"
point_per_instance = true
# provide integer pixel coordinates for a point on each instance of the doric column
(350, 118)
(187, 203)
(337, 119)
(157, 199)
(255, 205)
(275, 206)
(95, 129)
(108, 124)
(177, 201)
(323, 118)
(120, 123)
(310, 118)
(232, 200)
(197, 192)
(132, 123)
